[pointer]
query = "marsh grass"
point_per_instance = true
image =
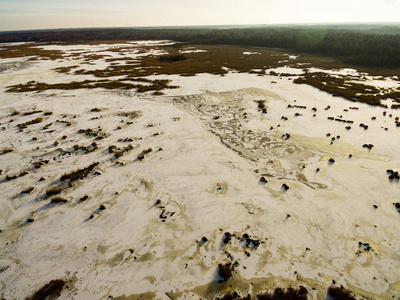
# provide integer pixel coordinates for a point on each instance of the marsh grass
(31, 49)
(34, 86)
(342, 87)
(172, 58)
(214, 60)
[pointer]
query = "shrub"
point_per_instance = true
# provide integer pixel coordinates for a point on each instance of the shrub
(58, 200)
(79, 174)
(7, 150)
(53, 191)
(51, 290)
(281, 294)
(341, 293)
(27, 190)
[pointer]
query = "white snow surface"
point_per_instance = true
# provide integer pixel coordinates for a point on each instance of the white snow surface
(210, 146)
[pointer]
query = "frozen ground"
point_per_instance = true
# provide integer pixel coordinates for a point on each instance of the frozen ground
(155, 223)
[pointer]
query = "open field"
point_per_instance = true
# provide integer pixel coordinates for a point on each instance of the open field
(155, 170)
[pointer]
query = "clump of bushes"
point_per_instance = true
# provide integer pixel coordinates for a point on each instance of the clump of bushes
(98, 134)
(51, 290)
(143, 153)
(79, 174)
(28, 190)
(339, 293)
(58, 200)
(28, 113)
(288, 294)
(53, 191)
(6, 150)
(25, 125)
(38, 164)
(224, 272)
(86, 149)
(118, 152)
(11, 177)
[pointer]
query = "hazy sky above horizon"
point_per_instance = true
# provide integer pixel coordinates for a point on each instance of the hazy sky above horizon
(46, 14)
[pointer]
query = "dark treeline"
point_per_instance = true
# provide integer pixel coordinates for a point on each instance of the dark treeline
(358, 48)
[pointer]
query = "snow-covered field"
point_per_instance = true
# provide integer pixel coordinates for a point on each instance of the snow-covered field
(187, 196)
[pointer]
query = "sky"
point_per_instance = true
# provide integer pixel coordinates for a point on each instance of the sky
(49, 14)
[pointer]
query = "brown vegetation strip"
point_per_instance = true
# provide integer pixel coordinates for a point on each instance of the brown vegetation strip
(32, 86)
(30, 49)
(344, 87)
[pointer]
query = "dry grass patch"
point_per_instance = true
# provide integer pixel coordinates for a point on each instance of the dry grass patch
(31, 49)
(342, 87)
(34, 86)
(79, 174)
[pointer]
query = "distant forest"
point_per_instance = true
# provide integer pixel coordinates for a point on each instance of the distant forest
(357, 47)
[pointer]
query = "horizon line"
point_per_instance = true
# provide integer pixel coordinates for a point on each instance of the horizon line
(202, 26)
